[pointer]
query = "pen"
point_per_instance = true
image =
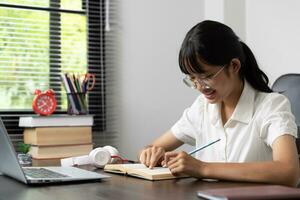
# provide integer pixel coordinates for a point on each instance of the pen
(198, 149)
(203, 147)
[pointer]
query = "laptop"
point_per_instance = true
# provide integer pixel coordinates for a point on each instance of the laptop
(9, 166)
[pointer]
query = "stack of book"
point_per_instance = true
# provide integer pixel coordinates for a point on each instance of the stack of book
(57, 136)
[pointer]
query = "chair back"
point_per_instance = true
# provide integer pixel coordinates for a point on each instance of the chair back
(289, 86)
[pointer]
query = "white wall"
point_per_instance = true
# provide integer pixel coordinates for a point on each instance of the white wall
(273, 33)
(214, 10)
(230, 12)
(271, 28)
(151, 93)
(234, 16)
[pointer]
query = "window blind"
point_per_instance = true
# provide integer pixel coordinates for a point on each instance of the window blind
(41, 39)
(111, 51)
(102, 60)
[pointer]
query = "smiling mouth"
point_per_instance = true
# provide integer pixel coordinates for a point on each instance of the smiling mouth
(209, 94)
(208, 91)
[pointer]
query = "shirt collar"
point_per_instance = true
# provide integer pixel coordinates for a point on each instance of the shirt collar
(243, 111)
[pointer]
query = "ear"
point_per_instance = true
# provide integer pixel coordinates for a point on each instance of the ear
(236, 65)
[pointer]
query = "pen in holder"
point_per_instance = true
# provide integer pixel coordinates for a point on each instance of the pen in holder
(77, 103)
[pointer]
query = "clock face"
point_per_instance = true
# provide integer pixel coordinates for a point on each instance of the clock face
(44, 104)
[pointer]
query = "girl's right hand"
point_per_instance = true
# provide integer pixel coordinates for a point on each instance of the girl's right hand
(152, 156)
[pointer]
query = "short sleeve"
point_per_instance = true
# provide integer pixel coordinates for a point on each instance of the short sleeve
(278, 119)
(185, 129)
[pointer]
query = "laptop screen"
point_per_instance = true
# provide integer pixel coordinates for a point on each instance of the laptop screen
(9, 164)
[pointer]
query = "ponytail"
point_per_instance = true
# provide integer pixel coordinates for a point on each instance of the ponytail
(251, 72)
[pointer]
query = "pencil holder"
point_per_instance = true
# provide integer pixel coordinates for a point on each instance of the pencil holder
(77, 104)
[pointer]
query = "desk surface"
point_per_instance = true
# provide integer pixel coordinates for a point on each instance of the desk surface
(118, 187)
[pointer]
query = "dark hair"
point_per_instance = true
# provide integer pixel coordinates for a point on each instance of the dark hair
(216, 44)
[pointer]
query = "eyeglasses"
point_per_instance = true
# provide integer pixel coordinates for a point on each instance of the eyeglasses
(204, 82)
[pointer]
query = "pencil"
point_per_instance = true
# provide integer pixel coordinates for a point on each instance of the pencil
(203, 147)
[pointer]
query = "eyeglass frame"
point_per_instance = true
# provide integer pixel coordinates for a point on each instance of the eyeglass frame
(192, 83)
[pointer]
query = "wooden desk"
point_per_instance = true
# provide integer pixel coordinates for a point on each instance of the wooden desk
(118, 187)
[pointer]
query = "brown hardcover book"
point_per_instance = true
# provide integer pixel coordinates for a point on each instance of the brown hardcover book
(46, 162)
(262, 192)
(58, 135)
(141, 171)
(59, 151)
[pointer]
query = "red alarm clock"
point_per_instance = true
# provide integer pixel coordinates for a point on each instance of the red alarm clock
(44, 103)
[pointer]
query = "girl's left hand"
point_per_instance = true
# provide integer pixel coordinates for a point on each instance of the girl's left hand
(183, 163)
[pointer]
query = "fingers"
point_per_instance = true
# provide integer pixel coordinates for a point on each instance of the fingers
(163, 163)
(168, 157)
(151, 156)
(176, 168)
(148, 157)
(176, 162)
(143, 157)
(156, 155)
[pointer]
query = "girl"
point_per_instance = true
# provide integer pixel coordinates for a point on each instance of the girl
(255, 125)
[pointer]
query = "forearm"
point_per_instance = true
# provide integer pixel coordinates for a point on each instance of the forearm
(167, 141)
(153, 154)
(273, 172)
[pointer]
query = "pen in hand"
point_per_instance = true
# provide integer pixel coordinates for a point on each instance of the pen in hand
(203, 147)
(198, 149)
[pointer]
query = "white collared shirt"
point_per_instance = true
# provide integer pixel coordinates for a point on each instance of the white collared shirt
(258, 119)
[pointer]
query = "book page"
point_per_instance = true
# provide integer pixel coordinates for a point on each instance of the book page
(144, 169)
(134, 166)
(137, 167)
(157, 173)
(141, 168)
(123, 168)
(155, 170)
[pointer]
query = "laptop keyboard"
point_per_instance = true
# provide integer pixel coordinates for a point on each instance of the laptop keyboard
(42, 173)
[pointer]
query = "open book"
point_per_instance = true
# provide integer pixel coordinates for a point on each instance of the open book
(141, 171)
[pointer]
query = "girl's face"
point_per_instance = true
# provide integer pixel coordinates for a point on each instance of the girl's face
(217, 83)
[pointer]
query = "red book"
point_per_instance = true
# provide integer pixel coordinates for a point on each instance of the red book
(263, 192)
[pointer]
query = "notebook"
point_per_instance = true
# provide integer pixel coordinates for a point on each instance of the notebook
(141, 171)
(56, 120)
(10, 166)
(262, 192)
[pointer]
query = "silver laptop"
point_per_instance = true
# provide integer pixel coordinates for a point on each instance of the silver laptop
(10, 166)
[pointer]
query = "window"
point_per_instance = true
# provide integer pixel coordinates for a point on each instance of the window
(37, 43)
(41, 39)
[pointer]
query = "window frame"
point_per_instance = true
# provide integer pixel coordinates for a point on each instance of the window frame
(95, 12)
